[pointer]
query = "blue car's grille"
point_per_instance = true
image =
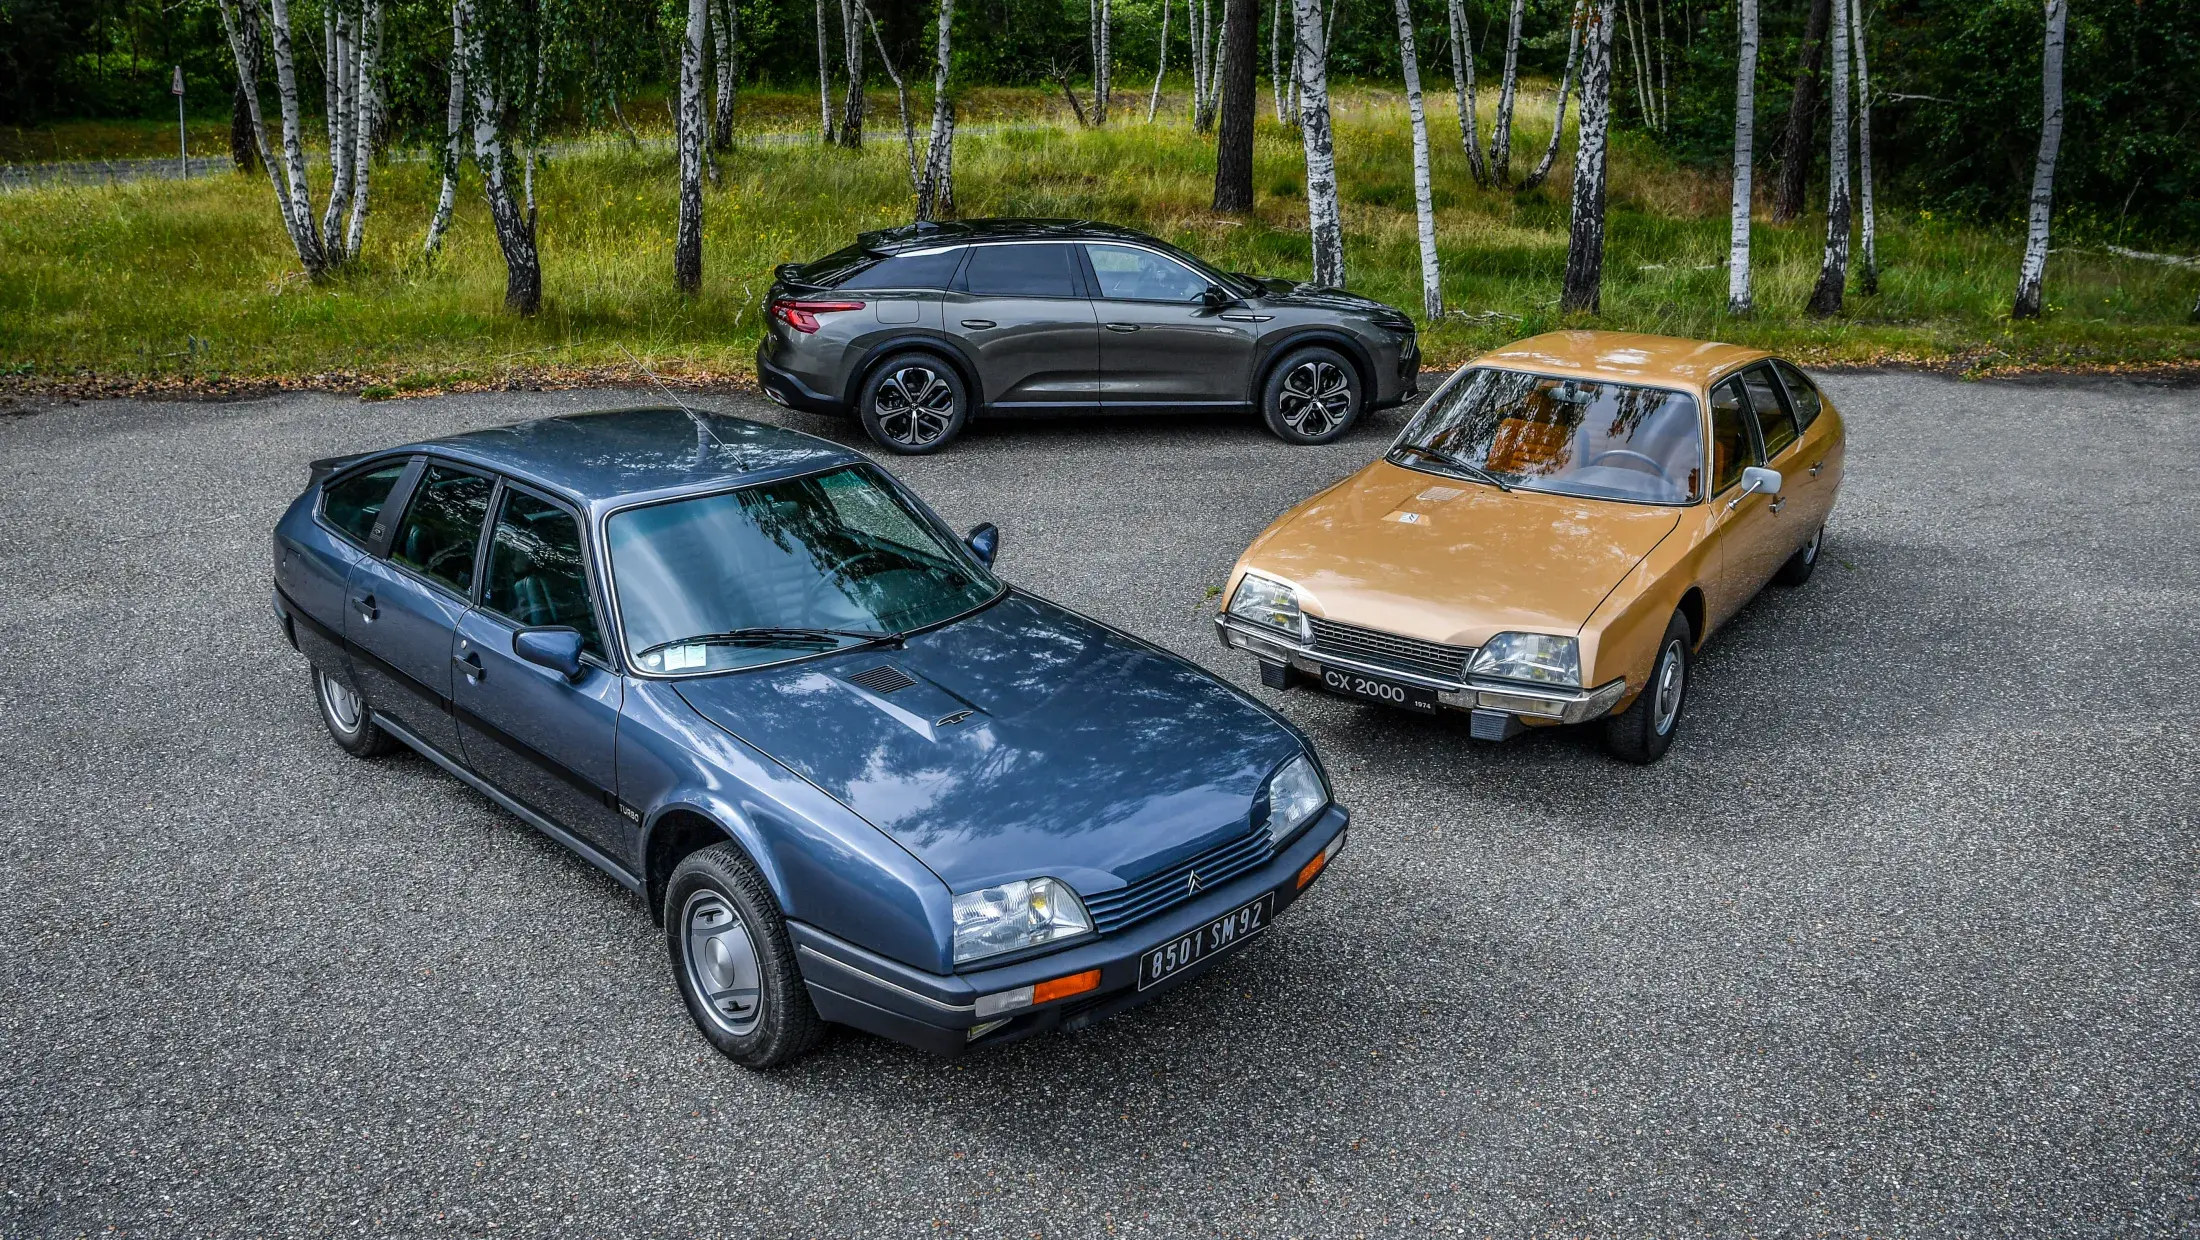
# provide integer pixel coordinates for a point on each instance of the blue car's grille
(1113, 910)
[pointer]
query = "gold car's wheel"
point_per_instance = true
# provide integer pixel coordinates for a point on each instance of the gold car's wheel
(1804, 562)
(1645, 730)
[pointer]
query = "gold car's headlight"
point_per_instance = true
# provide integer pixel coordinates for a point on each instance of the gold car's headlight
(1537, 657)
(1269, 604)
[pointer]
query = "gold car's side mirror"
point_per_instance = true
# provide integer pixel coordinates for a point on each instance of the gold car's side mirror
(1757, 478)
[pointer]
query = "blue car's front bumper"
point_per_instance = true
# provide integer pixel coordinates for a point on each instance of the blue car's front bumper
(855, 987)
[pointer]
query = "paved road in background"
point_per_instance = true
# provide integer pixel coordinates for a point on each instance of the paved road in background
(1900, 940)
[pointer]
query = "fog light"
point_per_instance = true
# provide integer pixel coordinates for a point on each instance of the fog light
(1003, 1001)
(1521, 704)
(979, 1031)
(1321, 860)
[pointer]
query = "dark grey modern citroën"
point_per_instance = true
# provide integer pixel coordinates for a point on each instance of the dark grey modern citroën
(916, 328)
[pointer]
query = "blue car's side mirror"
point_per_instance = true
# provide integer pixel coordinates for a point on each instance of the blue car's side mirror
(557, 649)
(985, 540)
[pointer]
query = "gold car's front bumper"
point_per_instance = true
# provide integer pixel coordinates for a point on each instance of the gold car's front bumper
(1499, 707)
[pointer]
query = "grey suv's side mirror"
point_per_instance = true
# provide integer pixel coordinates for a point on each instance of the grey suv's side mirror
(1757, 478)
(558, 649)
(985, 542)
(1216, 298)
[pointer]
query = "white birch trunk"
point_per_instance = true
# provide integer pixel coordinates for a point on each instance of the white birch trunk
(851, 44)
(1745, 138)
(241, 26)
(1160, 65)
(1558, 111)
(1324, 224)
(1501, 131)
(824, 79)
(901, 101)
(2033, 273)
(936, 189)
(687, 247)
(1103, 88)
(1462, 84)
(338, 72)
(1868, 234)
(1424, 208)
(299, 202)
(1275, 60)
(725, 28)
(454, 120)
(515, 232)
(369, 112)
(1833, 268)
(1583, 287)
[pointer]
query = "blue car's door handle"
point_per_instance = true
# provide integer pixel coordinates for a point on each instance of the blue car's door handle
(977, 325)
(367, 609)
(1122, 327)
(470, 664)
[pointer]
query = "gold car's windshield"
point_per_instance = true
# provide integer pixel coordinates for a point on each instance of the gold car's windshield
(1570, 436)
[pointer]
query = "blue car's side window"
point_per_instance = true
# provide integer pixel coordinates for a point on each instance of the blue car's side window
(353, 504)
(537, 578)
(443, 526)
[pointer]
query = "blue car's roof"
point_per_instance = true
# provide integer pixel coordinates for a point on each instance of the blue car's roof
(599, 458)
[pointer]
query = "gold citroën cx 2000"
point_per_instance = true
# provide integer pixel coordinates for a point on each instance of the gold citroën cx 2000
(1551, 537)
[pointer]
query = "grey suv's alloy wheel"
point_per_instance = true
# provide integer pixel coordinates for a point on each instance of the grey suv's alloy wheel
(1804, 562)
(734, 962)
(347, 718)
(1312, 396)
(914, 403)
(1644, 731)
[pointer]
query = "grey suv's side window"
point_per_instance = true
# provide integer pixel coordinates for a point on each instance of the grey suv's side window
(352, 504)
(443, 526)
(925, 269)
(1127, 273)
(536, 577)
(1028, 270)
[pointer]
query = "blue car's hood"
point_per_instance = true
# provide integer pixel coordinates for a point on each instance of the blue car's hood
(1082, 755)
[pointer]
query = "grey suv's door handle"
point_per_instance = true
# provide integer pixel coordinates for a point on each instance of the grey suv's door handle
(1122, 327)
(470, 664)
(366, 605)
(977, 324)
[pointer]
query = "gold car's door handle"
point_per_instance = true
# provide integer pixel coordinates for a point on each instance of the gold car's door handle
(1777, 504)
(1816, 466)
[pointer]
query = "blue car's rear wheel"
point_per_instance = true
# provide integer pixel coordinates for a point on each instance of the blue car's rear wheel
(348, 720)
(734, 962)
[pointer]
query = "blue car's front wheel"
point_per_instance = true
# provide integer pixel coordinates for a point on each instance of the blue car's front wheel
(734, 963)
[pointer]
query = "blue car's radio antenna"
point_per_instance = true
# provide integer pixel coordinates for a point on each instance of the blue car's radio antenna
(702, 424)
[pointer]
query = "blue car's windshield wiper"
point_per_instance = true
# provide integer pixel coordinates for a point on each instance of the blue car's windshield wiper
(779, 635)
(1449, 461)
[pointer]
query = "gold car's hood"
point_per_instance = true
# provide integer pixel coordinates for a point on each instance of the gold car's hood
(1454, 561)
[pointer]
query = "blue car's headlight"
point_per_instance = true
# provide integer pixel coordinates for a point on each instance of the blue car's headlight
(1295, 794)
(1014, 916)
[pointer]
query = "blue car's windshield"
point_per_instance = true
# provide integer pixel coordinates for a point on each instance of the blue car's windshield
(783, 569)
(1581, 437)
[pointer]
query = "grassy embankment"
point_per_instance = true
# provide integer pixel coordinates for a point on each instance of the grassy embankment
(193, 283)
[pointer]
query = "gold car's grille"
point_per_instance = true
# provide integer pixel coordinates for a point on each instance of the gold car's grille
(1380, 649)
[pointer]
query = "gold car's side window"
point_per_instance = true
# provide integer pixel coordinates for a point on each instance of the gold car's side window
(1732, 448)
(1775, 425)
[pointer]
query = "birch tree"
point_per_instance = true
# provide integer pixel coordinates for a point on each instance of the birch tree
(2033, 273)
(725, 29)
(494, 79)
(454, 122)
(687, 247)
(1833, 268)
(286, 174)
(1424, 209)
(1868, 234)
(824, 79)
(1324, 224)
(851, 47)
(1101, 17)
(1275, 60)
(1558, 111)
(1583, 287)
(1160, 64)
(1501, 131)
(936, 186)
(1462, 84)
(1745, 133)
(243, 148)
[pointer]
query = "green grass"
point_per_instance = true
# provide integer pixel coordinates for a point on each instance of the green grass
(194, 282)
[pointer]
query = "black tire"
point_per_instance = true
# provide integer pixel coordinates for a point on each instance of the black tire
(1312, 396)
(345, 715)
(913, 403)
(1645, 730)
(761, 1026)
(1804, 562)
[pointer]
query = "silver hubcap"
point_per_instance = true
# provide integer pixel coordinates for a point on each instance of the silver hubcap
(1672, 681)
(721, 963)
(1316, 398)
(342, 703)
(915, 406)
(1810, 549)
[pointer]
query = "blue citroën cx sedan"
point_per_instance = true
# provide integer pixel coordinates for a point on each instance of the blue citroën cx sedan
(754, 679)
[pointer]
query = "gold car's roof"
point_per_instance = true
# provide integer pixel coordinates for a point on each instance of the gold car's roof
(1628, 357)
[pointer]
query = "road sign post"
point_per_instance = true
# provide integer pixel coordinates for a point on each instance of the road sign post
(183, 145)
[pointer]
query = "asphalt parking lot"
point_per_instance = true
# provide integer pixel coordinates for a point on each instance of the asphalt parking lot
(1900, 940)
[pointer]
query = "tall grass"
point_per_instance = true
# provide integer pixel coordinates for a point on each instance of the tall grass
(195, 280)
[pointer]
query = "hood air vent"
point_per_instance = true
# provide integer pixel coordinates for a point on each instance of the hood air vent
(882, 680)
